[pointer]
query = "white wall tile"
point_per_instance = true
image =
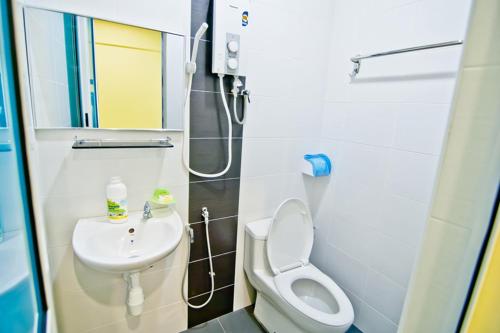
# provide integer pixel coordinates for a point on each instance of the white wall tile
(384, 295)
(350, 237)
(421, 127)
(372, 321)
(357, 304)
(263, 157)
(364, 165)
(392, 258)
(259, 196)
(402, 218)
(412, 175)
(370, 123)
(346, 271)
(167, 319)
(333, 120)
(354, 202)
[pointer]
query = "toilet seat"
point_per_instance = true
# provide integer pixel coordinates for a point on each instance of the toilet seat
(289, 246)
(291, 236)
(284, 284)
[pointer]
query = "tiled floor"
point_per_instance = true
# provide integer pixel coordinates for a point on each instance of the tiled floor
(241, 321)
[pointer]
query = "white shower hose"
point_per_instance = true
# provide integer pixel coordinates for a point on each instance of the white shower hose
(245, 107)
(191, 69)
(185, 152)
(211, 273)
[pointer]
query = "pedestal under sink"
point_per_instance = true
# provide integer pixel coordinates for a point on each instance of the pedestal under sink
(127, 248)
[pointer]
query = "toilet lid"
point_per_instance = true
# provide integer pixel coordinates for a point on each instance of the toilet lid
(290, 238)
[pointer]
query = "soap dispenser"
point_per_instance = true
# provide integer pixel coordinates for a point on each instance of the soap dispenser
(116, 193)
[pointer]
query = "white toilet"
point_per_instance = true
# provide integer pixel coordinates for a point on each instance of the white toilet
(293, 296)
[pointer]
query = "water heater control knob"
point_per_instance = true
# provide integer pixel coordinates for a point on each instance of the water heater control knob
(232, 63)
(233, 46)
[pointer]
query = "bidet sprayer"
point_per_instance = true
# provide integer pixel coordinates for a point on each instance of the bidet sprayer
(205, 214)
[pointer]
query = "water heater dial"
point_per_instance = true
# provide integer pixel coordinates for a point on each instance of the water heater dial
(233, 46)
(232, 63)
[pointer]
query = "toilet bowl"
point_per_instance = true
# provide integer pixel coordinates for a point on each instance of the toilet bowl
(292, 294)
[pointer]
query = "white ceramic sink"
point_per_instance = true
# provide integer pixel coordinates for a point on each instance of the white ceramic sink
(127, 247)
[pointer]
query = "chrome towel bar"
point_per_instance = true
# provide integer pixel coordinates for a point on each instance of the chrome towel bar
(357, 59)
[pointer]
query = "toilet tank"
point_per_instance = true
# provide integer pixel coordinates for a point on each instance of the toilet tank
(255, 257)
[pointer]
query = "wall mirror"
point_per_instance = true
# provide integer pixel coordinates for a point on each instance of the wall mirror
(90, 73)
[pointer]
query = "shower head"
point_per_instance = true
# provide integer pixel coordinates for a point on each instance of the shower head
(201, 31)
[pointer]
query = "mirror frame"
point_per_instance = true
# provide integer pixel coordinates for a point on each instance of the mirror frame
(26, 87)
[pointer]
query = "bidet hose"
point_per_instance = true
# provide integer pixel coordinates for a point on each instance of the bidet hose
(211, 273)
(245, 106)
(187, 114)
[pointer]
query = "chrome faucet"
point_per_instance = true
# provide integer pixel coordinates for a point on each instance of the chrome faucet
(146, 214)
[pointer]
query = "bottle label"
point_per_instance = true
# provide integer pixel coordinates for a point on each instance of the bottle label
(117, 210)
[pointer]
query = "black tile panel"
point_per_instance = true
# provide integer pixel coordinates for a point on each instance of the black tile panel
(222, 237)
(220, 196)
(199, 279)
(221, 303)
(202, 11)
(208, 154)
(208, 117)
(211, 156)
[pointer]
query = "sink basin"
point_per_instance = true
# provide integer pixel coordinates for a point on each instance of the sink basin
(126, 247)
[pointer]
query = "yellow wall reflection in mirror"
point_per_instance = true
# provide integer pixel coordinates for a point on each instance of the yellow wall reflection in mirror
(128, 63)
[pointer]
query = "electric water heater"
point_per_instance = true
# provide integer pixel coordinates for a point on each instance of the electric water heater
(231, 21)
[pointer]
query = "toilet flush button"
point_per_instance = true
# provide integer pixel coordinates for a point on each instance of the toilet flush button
(233, 46)
(232, 63)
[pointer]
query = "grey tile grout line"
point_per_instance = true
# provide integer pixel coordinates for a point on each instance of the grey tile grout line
(213, 180)
(214, 220)
(212, 92)
(223, 329)
(218, 255)
(216, 138)
(208, 292)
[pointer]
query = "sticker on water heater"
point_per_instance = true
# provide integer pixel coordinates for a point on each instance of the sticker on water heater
(244, 18)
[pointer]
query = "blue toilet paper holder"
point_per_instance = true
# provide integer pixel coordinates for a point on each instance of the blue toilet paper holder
(316, 165)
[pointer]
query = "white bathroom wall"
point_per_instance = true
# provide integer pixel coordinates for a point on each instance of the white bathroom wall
(467, 189)
(72, 186)
(384, 132)
(68, 184)
(288, 44)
